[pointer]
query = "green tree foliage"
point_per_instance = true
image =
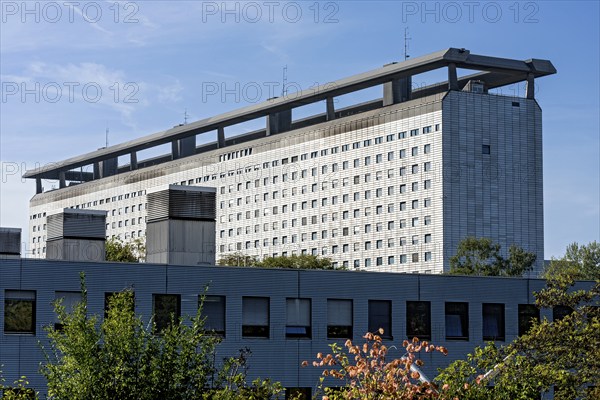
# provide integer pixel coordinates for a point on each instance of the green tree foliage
(564, 354)
(18, 391)
(481, 256)
(303, 261)
(119, 251)
(238, 260)
(580, 262)
(122, 358)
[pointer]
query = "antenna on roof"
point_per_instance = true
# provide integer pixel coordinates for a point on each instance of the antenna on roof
(406, 39)
(185, 117)
(284, 88)
(106, 137)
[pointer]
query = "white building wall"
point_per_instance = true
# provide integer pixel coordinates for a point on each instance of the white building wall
(295, 192)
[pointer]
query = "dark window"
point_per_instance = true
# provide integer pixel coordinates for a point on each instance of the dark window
(418, 319)
(339, 319)
(559, 312)
(457, 321)
(69, 301)
(255, 317)
(527, 313)
(493, 321)
(213, 309)
(380, 316)
(298, 393)
(298, 318)
(485, 149)
(167, 309)
(516, 104)
(19, 311)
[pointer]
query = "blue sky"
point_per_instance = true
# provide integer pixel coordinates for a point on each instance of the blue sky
(70, 70)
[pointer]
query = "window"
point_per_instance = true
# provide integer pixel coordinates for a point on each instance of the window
(255, 317)
(166, 309)
(427, 148)
(298, 318)
(559, 312)
(527, 313)
(380, 316)
(68, 300)
(339, 319)
(414, 151)
(299, 393)
(485, 149)
(418, 319)
(493, 321)
(457, 321)
(19, 311)
(213, 309)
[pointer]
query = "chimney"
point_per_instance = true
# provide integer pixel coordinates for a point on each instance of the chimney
(76, 235)
(10, 243)
(181, 226)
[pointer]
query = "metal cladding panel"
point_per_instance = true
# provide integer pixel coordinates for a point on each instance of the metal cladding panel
(182, 204)
(10, 241)
(74, 225)
(55, 226)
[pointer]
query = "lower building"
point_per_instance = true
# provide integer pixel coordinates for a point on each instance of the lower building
(283, 316)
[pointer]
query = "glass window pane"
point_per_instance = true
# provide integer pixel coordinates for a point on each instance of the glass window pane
(167, 308)
(380, 316)
(418, 319)
(213, 309)
(19, 311)
(493, 321)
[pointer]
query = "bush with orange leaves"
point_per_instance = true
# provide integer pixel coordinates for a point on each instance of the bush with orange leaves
(371, 376)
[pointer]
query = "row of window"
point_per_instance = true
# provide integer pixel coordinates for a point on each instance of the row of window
(20, 316)
(335, 181)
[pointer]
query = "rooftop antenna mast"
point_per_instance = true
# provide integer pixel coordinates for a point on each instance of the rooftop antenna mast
(106, 137)
(284, 88)
(185, 117)
(406, 39)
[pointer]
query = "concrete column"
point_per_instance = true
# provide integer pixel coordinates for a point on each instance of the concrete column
(38, 185)
(62, 182)
(330, 109)
(397, 91)
(174, 150)
(530, 91)
(97, 174)
(133, 160)
(220, 137)
(452, 77)
(279, 122)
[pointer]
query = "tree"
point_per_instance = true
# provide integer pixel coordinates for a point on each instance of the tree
(124, 358)
(580, 262)
(366, 372)
(303, 261)
(564, 354)
(119, 251)
(481, 256)
(19, 390)
(238, 260)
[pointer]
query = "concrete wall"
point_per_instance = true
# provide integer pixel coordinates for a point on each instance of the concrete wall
(497, 195)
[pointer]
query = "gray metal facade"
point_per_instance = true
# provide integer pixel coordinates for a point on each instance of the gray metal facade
(277, 357)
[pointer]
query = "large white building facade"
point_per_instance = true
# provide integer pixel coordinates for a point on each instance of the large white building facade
(390, 185)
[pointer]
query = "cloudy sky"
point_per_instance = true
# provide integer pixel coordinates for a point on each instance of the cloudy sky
(70, 70)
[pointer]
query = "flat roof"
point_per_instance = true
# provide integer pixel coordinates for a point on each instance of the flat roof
(497, 72)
